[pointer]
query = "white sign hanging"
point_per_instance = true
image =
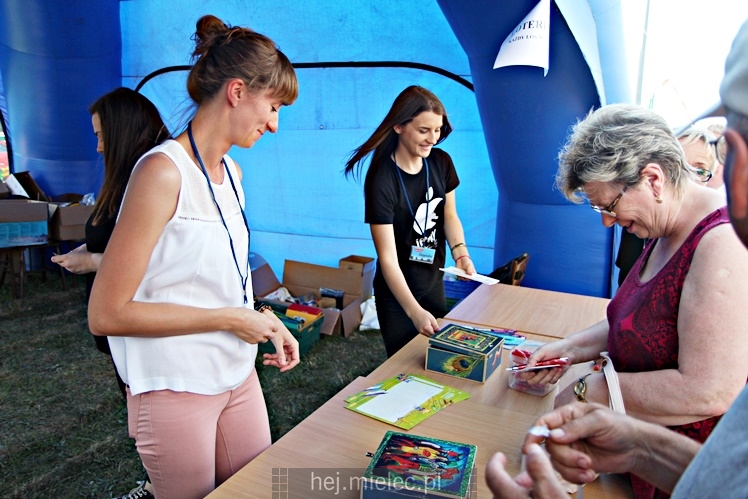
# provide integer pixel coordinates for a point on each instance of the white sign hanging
(527, 44)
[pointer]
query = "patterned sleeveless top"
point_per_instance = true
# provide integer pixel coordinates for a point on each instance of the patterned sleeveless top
(643, 321)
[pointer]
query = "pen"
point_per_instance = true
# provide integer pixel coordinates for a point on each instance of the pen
(510, 339)
(464, 326)
(543, 364)
(473, 328)
(510, 332)
(513, 339)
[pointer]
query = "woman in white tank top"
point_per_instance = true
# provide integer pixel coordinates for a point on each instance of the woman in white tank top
(174, 291)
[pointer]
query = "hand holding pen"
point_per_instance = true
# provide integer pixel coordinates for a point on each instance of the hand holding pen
(548, 358)
(543, 364)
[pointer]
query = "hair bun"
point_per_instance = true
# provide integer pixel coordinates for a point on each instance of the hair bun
(207, 29)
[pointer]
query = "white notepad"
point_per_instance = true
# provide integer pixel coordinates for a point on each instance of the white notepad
(400, 400)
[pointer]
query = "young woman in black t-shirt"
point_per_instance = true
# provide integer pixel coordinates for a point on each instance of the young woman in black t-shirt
(410, 207)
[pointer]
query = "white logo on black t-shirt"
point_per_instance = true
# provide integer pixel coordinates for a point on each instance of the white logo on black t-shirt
(427, 222)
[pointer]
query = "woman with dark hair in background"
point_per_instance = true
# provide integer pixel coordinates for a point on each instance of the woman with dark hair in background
(126, 125)
(411, 209)
(180, 319)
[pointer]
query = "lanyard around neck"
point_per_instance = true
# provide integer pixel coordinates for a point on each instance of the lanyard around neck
(242, 278)
(407, 198)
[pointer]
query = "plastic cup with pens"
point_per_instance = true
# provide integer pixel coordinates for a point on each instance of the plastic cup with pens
(518, 357)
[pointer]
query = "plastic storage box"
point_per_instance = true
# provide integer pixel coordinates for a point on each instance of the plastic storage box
(517, 357)
(305, 331)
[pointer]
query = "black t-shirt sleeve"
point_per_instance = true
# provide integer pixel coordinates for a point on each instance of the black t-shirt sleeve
(450, 174)
(380, 196)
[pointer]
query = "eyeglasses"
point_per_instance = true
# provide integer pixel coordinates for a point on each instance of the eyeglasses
(720, 149)
(703, 174)
(608, 210)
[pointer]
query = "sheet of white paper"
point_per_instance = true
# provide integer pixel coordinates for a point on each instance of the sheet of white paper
(399, 400)
(475, 277)
(15, 187)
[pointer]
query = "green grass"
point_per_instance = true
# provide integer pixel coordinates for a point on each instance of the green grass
(63, 421)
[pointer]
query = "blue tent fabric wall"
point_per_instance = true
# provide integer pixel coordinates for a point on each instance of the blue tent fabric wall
(299, 205)
(56, 59)
(526, 118)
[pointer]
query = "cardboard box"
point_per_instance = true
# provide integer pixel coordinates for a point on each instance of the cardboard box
(67, 218)
(354, 276)
(464, 352)
(23, 222)
(365, 267)
(30, 186)
(68, 221)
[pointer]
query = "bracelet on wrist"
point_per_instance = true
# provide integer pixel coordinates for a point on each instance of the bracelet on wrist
(460, 257)
(452, 249)
(261, 307)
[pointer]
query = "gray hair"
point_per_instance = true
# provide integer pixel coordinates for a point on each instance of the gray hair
(614, 144)
(717, 129)
(703, 135)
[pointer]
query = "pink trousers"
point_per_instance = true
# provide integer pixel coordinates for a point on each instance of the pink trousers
(190, 443)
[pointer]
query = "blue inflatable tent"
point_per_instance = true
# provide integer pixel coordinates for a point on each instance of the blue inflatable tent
(352, 59)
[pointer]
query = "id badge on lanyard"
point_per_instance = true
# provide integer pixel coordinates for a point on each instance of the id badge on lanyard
(423, 255)
(419, 253)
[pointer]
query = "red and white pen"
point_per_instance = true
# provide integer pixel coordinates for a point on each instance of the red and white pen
(543, 364)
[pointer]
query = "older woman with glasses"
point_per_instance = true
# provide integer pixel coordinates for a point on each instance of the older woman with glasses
(704, 153)
(681, 354)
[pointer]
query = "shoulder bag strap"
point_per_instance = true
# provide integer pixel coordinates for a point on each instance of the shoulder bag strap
(614, 389)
